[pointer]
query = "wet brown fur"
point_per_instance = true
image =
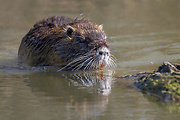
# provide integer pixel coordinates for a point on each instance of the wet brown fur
(59, 40)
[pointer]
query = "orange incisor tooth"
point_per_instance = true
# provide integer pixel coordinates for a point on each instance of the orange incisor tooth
(101, 65)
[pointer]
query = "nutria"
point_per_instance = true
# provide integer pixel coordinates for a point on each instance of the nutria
(67, 43)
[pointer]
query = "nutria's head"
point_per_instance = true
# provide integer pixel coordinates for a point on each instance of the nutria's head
(84, 46)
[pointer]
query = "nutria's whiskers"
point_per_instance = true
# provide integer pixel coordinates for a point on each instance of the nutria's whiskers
(112, 62)
(74, 62)
(88, 64)
(81, 65)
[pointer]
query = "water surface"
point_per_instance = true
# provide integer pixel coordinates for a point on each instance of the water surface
(142, 34)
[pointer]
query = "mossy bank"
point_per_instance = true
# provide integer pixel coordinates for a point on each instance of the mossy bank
(163, 83)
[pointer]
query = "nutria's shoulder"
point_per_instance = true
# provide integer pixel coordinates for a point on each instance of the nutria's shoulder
(69, 43)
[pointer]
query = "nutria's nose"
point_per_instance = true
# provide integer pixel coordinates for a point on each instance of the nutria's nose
(103, 51)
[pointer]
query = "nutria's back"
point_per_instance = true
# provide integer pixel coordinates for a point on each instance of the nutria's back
(67, 43)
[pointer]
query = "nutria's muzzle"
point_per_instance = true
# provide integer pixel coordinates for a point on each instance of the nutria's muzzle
(92, 60)
(103, 54)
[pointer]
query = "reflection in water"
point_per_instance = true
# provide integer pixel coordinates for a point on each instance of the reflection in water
(84, 94)
(101, 80)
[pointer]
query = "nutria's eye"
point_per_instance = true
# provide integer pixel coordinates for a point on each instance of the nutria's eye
(70, 30)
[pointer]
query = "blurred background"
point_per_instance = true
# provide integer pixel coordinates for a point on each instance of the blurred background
(142, 34)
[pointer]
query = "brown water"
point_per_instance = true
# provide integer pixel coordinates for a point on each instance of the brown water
(142, 34)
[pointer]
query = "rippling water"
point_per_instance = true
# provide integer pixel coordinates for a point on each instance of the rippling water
(142, 34)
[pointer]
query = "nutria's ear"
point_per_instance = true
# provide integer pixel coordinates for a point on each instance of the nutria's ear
(101, 27)
(69, 30)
